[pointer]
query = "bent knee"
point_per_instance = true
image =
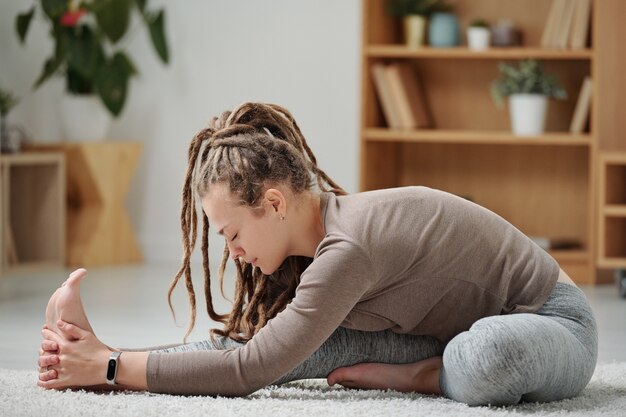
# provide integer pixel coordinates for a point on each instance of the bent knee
(481, 371)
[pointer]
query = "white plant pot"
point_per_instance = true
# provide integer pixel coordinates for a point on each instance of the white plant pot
(478, 38)
(528, 113)
(83, 118)
(414, 30)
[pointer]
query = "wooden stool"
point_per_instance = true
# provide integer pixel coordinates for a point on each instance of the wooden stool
(99, 231)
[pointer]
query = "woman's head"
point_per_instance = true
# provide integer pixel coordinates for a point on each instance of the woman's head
(246, 168)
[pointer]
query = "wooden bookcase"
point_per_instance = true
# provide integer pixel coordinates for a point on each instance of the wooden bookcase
(32, 211)
(545, 185)
(612, 210)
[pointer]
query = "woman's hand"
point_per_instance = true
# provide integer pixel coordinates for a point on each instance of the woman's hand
(47, 357)
(79, 360)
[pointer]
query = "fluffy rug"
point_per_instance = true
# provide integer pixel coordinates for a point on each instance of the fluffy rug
(19, 396)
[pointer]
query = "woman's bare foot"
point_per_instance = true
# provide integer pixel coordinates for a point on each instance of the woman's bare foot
(66, 304)
(421, 377)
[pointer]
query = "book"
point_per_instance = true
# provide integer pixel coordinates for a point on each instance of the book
(580, 26)
(399, 97)
(551, 22)
(408, 96)
(581, 112)
(385, 98)
(561, 36)
(415, 96)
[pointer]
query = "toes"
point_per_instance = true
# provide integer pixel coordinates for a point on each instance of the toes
(339, 376)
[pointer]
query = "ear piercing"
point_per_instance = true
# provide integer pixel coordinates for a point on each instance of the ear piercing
(282, 217)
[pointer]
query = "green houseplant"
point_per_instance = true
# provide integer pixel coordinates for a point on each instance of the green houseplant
(478, 35)
(87, 51)
(414, 14)
(7, 102)
(528, 89)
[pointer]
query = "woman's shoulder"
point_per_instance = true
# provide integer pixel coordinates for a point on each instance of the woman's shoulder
(389, 195)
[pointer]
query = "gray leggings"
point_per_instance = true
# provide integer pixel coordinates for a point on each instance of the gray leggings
(501, 360)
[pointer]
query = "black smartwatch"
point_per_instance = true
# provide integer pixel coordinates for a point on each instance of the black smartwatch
(112, 368)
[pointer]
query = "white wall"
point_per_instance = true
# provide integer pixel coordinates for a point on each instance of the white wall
(301, 54)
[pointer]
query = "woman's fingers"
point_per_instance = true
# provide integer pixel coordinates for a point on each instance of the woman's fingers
(47, 375)
(48, 360)
(51, 336)
(49, 380)
(49, 346)
(72, 332)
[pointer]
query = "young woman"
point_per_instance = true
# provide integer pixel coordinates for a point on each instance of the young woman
(410, 288)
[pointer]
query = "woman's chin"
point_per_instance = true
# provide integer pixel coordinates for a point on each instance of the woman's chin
(266, 270)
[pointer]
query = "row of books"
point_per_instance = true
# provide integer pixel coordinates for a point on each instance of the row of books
(567, 25)
(401, 96)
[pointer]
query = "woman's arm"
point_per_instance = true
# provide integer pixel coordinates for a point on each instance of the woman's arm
(328, 290)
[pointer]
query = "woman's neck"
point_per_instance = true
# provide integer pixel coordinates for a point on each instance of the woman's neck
(308, 230)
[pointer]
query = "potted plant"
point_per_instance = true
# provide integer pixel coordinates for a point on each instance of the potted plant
(414, 14)
(528, 89)
(87, 52)
(7, 102)
(478, 35)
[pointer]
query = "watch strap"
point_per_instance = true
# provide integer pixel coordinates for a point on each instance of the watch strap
(112, 366)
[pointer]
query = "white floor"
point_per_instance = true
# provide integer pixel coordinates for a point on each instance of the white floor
(127, 307)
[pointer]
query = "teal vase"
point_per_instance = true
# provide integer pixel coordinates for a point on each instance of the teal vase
(443, 30)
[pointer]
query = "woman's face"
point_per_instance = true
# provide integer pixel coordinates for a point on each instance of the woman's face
(254, 235)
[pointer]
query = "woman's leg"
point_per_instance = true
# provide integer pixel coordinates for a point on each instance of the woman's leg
(344, 347)
(546, 356)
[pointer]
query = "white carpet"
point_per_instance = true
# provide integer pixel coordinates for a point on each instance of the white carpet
(19, 396)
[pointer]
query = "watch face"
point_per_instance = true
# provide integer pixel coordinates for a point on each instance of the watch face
(111, 369)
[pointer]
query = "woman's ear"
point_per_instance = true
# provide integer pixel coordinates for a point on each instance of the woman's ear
(277, 201)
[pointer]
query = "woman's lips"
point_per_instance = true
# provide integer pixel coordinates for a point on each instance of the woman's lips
(254, 261)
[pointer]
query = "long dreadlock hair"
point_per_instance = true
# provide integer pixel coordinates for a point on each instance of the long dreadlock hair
(253, 145)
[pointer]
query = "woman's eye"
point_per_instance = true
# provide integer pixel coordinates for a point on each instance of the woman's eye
(234, 237)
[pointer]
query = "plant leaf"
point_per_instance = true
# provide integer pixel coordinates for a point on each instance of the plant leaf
(54, 8)
(156, 25)
(51, 65)
(112, 82)
(84, 52)
(22, 23)
(113, 16)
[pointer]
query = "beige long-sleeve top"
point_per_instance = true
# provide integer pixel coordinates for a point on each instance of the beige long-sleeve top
(413, 259)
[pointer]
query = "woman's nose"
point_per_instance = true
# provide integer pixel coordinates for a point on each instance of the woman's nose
(236, 252)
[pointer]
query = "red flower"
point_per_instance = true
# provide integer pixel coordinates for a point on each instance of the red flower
(71, 18)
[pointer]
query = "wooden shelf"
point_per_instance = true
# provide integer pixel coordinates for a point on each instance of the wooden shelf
(473, 137)
(579, 255)
(612, 263)
(400, 51)
(614, 210)
(32, 211)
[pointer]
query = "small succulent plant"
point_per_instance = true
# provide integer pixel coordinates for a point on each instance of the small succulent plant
(525, 78)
